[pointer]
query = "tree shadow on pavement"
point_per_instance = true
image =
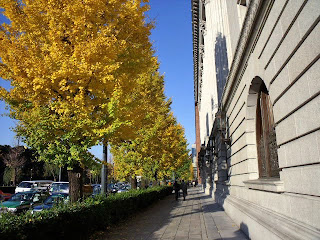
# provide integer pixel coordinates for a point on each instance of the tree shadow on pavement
(143, 224)
(164, 219)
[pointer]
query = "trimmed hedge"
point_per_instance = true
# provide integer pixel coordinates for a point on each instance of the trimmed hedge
(79, 220)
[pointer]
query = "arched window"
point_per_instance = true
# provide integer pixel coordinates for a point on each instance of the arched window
(266, 136)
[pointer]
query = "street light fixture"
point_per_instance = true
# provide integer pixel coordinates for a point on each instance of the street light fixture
(222, 126)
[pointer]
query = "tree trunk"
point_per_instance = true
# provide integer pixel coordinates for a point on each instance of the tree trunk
(54, 177)
(134, 182)
(14, 176)
(75, 183)
(155, 181)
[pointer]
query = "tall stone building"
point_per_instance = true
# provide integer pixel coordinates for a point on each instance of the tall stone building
(257, 102)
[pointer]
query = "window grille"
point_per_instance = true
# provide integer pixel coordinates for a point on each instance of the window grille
(266, 137)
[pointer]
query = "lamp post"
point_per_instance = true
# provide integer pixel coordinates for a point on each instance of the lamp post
(222, 126)
(221, 120)
(59, 174)
(104, 169)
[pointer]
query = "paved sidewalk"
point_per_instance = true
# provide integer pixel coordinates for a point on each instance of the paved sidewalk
(199, 217)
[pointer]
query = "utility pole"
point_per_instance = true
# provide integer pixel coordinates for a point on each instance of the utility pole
(104, 169)
(59, 174)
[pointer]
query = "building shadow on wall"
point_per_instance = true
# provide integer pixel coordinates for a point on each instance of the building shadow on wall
(222, 71)
(244, 228)
(222, 191)
(221, 62)
(240, 234)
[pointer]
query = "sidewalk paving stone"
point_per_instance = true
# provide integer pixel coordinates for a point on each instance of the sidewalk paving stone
(197, 218)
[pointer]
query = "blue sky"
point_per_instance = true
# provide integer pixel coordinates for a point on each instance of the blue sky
(172, 40)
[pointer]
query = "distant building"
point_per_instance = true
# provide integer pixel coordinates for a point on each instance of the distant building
(194, 161)
(257, 104)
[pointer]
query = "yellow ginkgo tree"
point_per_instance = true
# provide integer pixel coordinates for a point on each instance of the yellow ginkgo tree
(158, 146)
(173, 155)
(156, 153)
(145, 105)
(72, 66)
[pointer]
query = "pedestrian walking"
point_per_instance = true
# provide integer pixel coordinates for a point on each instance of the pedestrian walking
(176, 188)
(184, 188)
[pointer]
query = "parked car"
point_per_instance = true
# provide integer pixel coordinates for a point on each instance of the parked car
(124, 188)
(23, 201)
(38, 185)
(4, 196)
(96, 189)
(112, 188)
(59, 187)
(51, 201)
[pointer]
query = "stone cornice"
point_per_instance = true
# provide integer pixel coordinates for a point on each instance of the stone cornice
(195, 33)
(245, 35)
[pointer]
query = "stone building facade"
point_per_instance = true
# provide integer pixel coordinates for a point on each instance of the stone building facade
(257, 102)
(194, 161)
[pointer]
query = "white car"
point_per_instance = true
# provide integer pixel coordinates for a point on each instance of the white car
(39, 185)
(59, 187)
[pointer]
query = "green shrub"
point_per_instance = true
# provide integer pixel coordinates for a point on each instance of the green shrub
(79, 220)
